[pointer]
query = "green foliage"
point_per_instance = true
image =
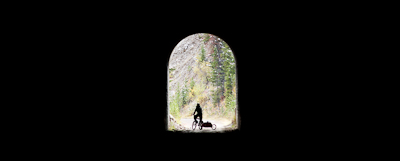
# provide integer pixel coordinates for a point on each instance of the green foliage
(217, 76)
(182, 95)
(230, 102)
(207, 38)
(198, 88)
(191, 90)
(229, 71)
(228, 84)
(222, 73)
(185, 94)
(228, 67)
(216, 96)
(199, 93)
(203, 54)
(191, 94)
(215, 68)
(170, 72)
(233, 80)
(191, 83)
(174, 107)
(179, 97)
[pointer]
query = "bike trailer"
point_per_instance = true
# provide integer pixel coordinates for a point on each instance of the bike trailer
(207, 124)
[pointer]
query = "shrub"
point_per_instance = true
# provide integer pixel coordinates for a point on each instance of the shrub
(201, 99)
(191, 94)
(198, 89)
(198, 92)
(174, 107)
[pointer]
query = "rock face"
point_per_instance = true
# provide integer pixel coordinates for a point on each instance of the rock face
(183, 55)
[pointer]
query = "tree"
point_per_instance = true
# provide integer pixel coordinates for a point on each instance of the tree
(203, 54)
(179, 96)
(223, 71)
(185, 93)
(216, 96)
(228, 67)
(191, 90)
(216, 77)
(214, 65)
(191, 83)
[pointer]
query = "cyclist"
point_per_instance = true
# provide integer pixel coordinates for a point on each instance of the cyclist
(199, 113)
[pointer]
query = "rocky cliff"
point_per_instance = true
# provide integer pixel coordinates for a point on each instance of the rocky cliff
(183, 60)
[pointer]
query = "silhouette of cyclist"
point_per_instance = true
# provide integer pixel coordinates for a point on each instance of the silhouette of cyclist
(199, 113)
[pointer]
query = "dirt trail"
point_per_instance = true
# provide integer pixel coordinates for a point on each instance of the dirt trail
(222, 124)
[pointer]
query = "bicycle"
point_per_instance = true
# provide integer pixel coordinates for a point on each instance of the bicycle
(203, 124)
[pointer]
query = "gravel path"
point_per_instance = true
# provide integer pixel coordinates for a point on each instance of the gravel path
(222, 125)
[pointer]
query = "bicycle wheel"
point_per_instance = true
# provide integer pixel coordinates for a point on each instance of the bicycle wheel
(214, 127)
(201, 126)
(194, 125)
